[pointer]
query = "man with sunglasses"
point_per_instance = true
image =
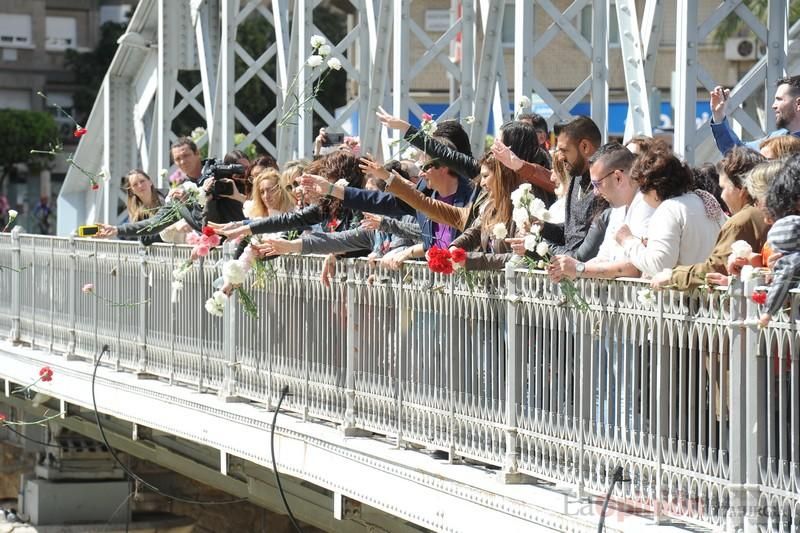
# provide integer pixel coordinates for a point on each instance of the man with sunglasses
(609, 169)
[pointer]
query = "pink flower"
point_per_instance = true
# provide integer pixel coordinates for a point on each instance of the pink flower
(201, 250)
(213, 241)
(193, 238)
(426, 117)
(88, 288)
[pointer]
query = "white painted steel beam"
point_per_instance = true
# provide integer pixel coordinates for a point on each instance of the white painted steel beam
(523, 58)
(639, 115)
(686, 69)
(492, 23)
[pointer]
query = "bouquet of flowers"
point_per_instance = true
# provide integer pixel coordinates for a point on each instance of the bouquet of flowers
(171, 211)
(528, 214)
(319, 51)
(444, 261)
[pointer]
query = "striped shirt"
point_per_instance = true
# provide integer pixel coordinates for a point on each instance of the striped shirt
(784, 237)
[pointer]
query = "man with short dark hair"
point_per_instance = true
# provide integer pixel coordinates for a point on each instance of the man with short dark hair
(610, 168)
(786, 107)
(576, 141)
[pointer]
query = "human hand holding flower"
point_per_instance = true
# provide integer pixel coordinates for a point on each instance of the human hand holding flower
(562, 267)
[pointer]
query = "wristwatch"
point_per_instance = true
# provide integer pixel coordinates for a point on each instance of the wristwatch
(580, 268)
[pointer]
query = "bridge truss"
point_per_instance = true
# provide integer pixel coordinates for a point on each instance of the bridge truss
(133, 120)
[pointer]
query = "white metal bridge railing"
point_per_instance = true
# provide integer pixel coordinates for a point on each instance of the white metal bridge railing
(699, 406)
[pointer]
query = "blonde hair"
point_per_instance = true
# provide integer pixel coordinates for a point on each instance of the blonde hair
(758, 179)
(781, 145)
(137, 209)
(285, 200)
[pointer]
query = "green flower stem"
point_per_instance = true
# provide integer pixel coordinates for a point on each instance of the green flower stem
(34, 423)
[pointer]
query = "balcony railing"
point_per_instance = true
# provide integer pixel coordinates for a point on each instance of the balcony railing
(699, 407)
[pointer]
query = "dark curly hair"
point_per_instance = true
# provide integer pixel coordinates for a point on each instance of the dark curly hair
(737, 163)
(661, 171)
(706, 178)
(342, 164)
(783, 196)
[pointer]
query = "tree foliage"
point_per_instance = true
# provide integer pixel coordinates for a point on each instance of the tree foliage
(733, 25)
(22, 131)
(89, 68)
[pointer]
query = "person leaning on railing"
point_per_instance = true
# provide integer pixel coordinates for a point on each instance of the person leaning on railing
(686, 222)
(783, 204)
(746, 223)
(610, 170)
(143, 199)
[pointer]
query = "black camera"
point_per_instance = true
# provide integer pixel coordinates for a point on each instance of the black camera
(214, 169)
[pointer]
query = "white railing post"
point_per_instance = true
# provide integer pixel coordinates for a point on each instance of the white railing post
(662, 347)
(72, 291)
(754, 412)
(403, 350)
(353, 350)
(738, 393)
(16, 275)
(229, 324)
(509, 473)
(144, 312)
(34, 267)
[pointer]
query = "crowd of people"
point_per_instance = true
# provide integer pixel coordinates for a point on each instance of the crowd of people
(613, 210)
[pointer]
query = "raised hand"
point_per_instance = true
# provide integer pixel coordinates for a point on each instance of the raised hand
(371, 168)
(371, 221)
(392, 122)
(718, 102)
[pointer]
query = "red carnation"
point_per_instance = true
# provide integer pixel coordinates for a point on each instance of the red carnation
(95, 186)
(2, 417)
(458, 255)
(79, 132)
(439, 260)
(46, 374)
(208, 231)
(760, 297)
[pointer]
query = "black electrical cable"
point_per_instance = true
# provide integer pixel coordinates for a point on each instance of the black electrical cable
(284, 392)
(41, 443)
(128, 470)
(616, 478)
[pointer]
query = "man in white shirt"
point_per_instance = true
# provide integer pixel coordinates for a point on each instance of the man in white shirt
(610, 169)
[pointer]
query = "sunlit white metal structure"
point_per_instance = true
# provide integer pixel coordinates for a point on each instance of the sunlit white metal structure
(132, 122)
(696, 404)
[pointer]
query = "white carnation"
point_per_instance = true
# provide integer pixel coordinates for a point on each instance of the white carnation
(646, 297)
(741, 249)
(542, 249)
(499, 231)
(535, 229)
(215, 305)
(201, 197)
(524, 101)
(537, 208)
(189, 186)
(531, 242)
(163, 172)
(317, 41)
(233, 272)
(12, 214)
(334, 63)
(747, 273)
(324, 50)
(520, 216)
(525, 187)
(469, 120)
(314, 61)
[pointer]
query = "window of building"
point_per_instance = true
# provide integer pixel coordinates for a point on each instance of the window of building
(15, 31)
(613, 24)
(62, 33)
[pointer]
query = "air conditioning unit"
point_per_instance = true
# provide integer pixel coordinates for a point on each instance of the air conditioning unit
(741, 49)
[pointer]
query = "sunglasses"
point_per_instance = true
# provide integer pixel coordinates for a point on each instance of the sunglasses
(429, 165)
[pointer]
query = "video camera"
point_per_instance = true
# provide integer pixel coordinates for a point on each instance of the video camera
(212, 168)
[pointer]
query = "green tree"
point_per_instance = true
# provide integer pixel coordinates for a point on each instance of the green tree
(23, 131)
(733, 25)
(89, 68)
